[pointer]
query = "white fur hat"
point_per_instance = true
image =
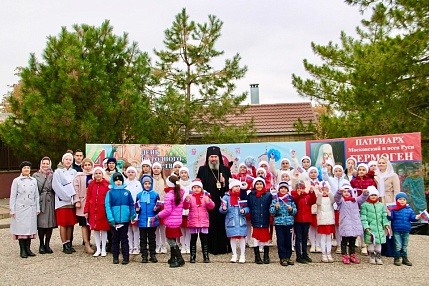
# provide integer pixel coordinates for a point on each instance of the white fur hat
(363, 165)
(263, 163)
(261, 169)
(131, 168)
(234, 183)
(178, 163)
(156, 164)
(184, 168)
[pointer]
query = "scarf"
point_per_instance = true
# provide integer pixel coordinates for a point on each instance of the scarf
(198, 198)
(383, 176)
(283, 197)
(398, 207)
(372, 201)
(349, 199)
(145, 198)
(260, 193)
(233, 198)
(168, 189)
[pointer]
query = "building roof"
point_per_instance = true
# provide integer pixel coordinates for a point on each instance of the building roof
(276, 118)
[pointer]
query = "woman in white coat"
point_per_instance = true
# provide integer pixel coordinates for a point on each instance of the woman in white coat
(24, 208)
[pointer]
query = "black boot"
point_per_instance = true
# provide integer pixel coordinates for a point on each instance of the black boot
(266, 254)
(71, 246)
(193, 251)
(144, 258)
(206, 258)
(178, 255)
(172, 257)
(22, 248)
(397, 261)
(153, 258)
(66, 248)
(42, 249)
(258, 259)
(178, 259)
(406, 261)
(28, 244)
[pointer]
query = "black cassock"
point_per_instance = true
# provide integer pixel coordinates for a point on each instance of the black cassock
(217, 240)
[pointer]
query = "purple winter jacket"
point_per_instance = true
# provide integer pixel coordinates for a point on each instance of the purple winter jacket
(350, 223)
(171, 213)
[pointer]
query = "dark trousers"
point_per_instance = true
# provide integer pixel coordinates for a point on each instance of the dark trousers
(351, 242)
(284, 240)
(120, 235)
(203, 239)
(147, 234)
(301, 237)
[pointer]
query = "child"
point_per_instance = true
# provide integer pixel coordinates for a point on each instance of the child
(159, 186)
(325, 220)
(268, 176)
(361, 182)
(350, 225)
(374, 221)
(262, 173)
(81, 182)
(314, 236)
(302, 220)
(259, 202)
(401, 218)
(285, 167)
(176, 168)
(245, 175)
(146, 208)
(198, 218)
(172, 215)
(146, 168)
(185, 184)
(283, 210)
(24, 209)
(135, 187)
(120, 211)
(235, 219)
(95, 210)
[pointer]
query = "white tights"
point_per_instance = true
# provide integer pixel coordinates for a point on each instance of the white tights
(374, 247)
(326, 243)
(101, 245)
(160, 235)
(185, 239)
(314, 236)
(133, 236)
(233, 242)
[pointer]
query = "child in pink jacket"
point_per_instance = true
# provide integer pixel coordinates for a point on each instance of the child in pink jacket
(198, 204)
(172, 215)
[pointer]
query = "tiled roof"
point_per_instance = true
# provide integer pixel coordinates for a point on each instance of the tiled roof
(272, 118)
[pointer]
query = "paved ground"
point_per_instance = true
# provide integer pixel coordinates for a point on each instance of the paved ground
(82, 269)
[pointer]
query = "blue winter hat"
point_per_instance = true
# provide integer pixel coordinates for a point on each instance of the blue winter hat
(111, 160)
(401, 195)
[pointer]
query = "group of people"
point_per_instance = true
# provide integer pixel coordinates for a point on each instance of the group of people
(139, 212)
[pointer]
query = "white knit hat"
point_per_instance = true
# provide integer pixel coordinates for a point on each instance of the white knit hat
(372, 190)
(146, 162)
(197, 182)
(258, 179)
(156, 164)
(234, 183)
(261, 169)
(363, 165)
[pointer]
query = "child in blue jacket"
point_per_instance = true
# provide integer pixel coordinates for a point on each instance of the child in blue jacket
(259, 202)
(401, 217)
(120, 211)
(283, 208)
(235, 219)
(147, 209)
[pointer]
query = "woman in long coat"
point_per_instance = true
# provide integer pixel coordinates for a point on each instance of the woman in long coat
(46, 220)
(24, 208)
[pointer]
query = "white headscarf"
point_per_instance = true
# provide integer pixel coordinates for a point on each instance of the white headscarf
(390, 172)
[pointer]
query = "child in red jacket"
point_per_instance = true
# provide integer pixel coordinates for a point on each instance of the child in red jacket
(198, 204)
(303, 201)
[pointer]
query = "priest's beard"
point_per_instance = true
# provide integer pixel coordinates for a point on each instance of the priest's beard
(214, 166)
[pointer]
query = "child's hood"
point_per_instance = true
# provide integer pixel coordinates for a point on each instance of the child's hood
(145, 178)
(112, 182)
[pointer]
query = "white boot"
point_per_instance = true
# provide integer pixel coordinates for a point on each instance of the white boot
(234, 258)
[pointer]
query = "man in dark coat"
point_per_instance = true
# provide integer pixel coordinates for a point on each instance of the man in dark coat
(215, 177)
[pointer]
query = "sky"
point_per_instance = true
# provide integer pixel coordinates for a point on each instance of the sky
(272, 37)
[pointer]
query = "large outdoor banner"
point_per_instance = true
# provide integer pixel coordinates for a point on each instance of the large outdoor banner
(403, 150)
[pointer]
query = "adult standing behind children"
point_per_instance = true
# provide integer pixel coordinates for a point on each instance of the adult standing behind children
(24, 208)
(215, 176)
(46, 220)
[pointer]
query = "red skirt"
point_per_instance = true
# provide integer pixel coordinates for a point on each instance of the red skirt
(314, 220)
(261, 234)
(326, 229)
(337, 217)
(184, 221)
(66, 216)
(173, 232)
